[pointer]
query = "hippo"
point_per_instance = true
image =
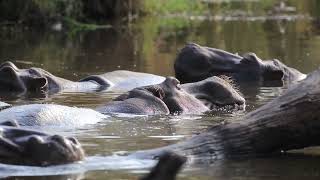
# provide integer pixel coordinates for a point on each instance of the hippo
(195, 63)
(35, 79)
(23, 146)
(169, 97)
(4, 105)
(51, 115)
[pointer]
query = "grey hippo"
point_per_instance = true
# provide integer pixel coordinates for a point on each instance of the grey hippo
(194, 63)
(35, 79)
(23, 146)
(168, 97)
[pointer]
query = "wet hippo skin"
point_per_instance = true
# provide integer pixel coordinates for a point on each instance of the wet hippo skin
(194, 63)
(29, 147)
(13, 79)
(169, 97)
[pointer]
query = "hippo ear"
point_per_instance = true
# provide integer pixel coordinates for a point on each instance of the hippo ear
(250, 58)
(39, 83)
(10, 123)
(8, 72)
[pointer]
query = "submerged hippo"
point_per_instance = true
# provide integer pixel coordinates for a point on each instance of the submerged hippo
(36, 79)
(170, 97)
(46, 115)
(4, 105)
(29, 147)
(195, 63)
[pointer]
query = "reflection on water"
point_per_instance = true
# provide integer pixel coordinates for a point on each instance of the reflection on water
(150, 44)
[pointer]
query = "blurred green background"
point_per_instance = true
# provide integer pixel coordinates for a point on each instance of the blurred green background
(75, 38)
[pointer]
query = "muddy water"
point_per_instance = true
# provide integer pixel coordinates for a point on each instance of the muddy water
(150, 45)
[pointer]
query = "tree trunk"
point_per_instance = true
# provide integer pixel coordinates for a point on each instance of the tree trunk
(167, 168)
(291, 121)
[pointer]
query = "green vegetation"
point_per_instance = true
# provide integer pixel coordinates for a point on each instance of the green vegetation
(75, 26)
(174, 6)
(80, 14)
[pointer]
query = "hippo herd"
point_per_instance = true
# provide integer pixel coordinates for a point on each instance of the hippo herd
(205, 75)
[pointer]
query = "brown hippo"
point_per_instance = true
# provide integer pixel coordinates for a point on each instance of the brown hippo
(29, 147)
(36, 79)
(169, 97)
(195, 63)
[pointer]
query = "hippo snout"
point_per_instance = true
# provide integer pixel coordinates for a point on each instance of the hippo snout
(52, 150)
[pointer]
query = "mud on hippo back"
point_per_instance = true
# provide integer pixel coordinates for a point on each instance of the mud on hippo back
(29, 147)
(169, 97)
(38, 80)
(195, 62)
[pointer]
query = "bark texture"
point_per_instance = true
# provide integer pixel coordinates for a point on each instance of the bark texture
(167, 167)
(291, 121)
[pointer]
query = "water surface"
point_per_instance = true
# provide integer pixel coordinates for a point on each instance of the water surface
(150, 44)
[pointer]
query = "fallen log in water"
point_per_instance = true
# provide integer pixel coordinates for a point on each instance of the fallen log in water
(291, 121)
(167, 168)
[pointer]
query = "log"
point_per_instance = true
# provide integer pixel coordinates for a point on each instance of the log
(167, 167)
(291, 121)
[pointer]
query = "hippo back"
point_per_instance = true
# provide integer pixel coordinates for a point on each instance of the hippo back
(123, 80)
(50, 115)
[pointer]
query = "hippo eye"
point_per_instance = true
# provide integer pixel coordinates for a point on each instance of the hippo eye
(33, 72)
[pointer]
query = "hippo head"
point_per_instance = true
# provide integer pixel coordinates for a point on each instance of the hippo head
(29, 147)
(22, 80)
(216, 92)
(178, 100)
(195, 63)
(164, 98)
(169, 97)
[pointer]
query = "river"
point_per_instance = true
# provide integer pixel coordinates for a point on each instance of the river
(150, 44)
